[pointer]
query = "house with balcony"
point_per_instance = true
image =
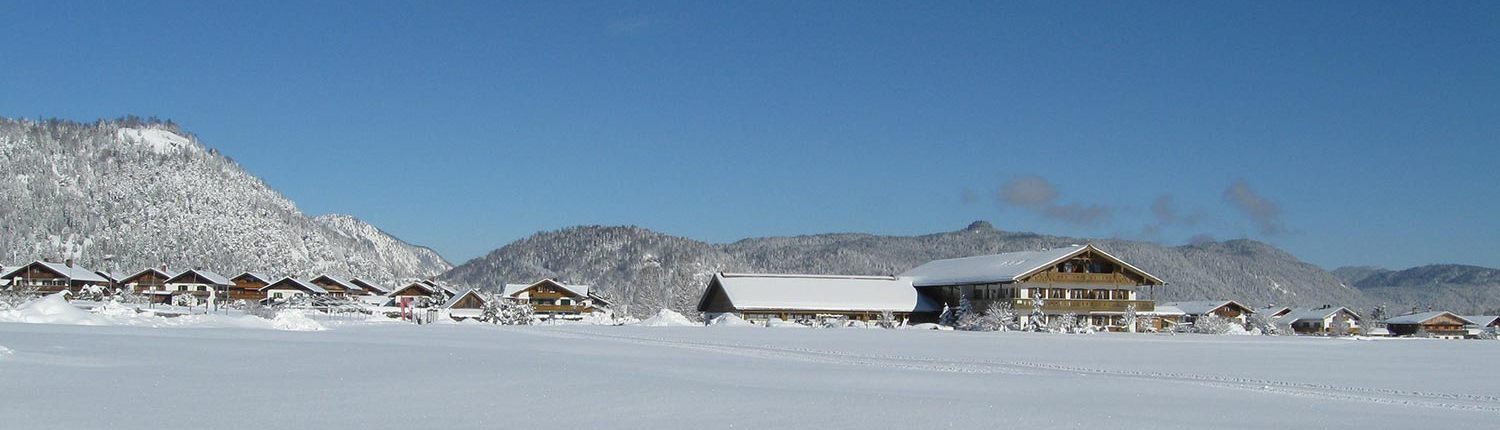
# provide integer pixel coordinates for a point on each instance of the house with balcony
(551, 298)
(147, 280)
(48, 277)
(199, 283)
(337, 287)
(1080, 280)
(1438, 324)
(246, 286)
(1321, 321)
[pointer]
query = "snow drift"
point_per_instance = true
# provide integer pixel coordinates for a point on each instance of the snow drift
(668, 318)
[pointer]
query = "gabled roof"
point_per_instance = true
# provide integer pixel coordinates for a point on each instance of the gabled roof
(1202, 307)
(1006, 267)
(1165, 310)
(334, 280)
(1483, 320)
(1273, 311)
(425, 287)
(369, 286)
(818, 292)
(1319, 314)
(253, 276)
(577, 290)
(211, 277)
(109, 276)
(1423, 318)
(295, 283)
(460, 296)
(163, 274)
(74, 273)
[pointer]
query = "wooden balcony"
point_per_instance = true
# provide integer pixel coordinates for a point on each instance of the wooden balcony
(1081, 278)
(1081, 306)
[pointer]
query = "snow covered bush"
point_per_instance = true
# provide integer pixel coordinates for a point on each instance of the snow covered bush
(999, 317)
(833, 321)
(964, 317)
(887, 320)
(1130, 318)
(12, 298)
(184, 300)
(514, 313)
(1212, 324)
(1258, 323)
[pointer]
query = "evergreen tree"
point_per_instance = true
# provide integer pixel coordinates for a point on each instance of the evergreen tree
(1037, 321)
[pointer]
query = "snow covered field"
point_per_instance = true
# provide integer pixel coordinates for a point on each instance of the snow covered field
(391, 375)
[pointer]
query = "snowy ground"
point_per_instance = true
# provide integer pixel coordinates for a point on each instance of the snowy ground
(391, 375)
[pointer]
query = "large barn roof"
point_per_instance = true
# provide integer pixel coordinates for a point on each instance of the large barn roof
(820, 292)
(1006, 267)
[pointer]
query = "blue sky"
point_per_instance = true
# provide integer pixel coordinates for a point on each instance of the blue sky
(1344, 132)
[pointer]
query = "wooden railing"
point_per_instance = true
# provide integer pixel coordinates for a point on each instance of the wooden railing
(1088, 278)
(1083, 305)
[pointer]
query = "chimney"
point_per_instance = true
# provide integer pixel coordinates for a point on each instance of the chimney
(69, 263)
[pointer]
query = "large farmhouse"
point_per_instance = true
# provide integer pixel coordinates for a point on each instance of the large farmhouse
(555, 299)
(1080, 280)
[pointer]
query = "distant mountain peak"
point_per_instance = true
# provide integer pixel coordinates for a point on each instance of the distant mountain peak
(980, 225)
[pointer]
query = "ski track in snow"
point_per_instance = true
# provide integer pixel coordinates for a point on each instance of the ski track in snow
(1384, 396)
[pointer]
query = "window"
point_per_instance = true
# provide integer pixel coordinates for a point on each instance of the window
(565, 302)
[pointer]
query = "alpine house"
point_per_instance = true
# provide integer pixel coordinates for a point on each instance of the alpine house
(1079, 280)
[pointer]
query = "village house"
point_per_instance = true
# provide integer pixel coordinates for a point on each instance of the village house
(113, 278)
(1482, 324)
(1226, 309)
(368, 288)
(148, 279)
(289, 288)
(200, 283)
(1080, 280)
(336, 287)
(467, 304)
(759, 298)
(247, 286)
(416, 294)
(554, 299)
(50, 278)
(1439, 324)
(1321, 320)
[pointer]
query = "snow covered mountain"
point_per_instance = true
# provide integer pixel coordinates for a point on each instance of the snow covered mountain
(125, 194)
(1453, 287)
(646, 268)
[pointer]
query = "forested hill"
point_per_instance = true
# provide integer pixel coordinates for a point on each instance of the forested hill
(646, 268)
(125, 194)
(1468, 290)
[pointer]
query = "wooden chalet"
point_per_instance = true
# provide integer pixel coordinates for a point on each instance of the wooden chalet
(48, 278)
(1226, 309)
(1439, 324)
(555, 299)
(336, 287)
(1482, 324)
(1081, 280)
(247, 286)
(466, 304)
(1321, 321)
(199, 283)
(288, 288)
(148, 279)
(417, 293)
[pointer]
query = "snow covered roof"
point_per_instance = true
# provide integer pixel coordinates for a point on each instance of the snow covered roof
(460, 296)
(1165, 310)
(1006, 267)
(577, 290)
(1319, 314)
(74, 273)
(162, 273)
(110, 276)
(369, 286)
(1483, 320)
(818, 293)
(1423, 317)
(425, 287)
(254, 276)
(1273, 311)
(295, 283)
(334, 280)
(211, 277)
(1202, 307)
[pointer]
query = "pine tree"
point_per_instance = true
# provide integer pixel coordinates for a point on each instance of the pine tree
(966, 318)
(1037, 321)
(1130, 318)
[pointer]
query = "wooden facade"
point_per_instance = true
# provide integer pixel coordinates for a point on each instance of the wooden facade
(1090, 284)
(247, 286)
(48, 278)
(1439, 324)
(149, 279)
(552, 298)
(336, 287)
